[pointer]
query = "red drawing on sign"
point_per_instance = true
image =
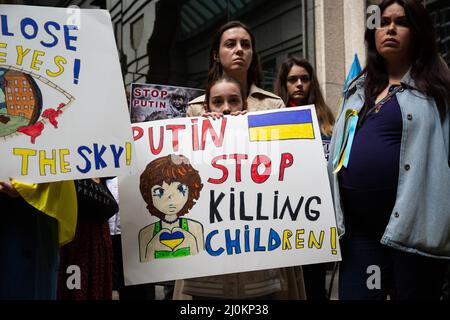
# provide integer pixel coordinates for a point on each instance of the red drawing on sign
(33, 131)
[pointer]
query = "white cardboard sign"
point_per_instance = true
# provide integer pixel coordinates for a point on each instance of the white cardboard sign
(63, 110)
(237, 194)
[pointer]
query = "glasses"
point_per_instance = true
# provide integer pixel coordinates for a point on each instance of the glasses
(400, 22)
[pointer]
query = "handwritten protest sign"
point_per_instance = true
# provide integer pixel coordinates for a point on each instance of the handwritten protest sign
(63, 111)
(156, 102)
(219, 196)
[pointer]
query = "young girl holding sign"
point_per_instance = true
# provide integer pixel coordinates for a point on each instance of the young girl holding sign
(233, 53)
(224, 96)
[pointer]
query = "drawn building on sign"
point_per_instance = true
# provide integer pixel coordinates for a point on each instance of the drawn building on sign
(20, 96)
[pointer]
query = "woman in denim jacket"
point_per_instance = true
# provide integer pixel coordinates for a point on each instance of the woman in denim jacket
(389, 163)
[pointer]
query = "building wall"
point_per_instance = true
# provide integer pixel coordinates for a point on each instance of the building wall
(354, 27)
(277, 26)
(135, 18)
(440, 14)
(339, 31)
(339, 35)
(328, 32)
(133, 22)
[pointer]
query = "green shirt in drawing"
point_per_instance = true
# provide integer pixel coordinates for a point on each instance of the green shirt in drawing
(177, 236)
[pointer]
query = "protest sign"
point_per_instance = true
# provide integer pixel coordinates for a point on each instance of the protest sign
(156, 102)
(63, 111)
(237, 194)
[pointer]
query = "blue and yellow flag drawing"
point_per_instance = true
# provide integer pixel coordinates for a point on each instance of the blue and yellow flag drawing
(281, 126)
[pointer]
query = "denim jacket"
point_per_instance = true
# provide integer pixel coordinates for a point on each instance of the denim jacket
(420, 220)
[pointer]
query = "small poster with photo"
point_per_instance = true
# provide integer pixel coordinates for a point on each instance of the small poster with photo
(157, 102)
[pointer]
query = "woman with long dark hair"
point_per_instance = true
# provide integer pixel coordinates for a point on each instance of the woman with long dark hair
(389, 163)
(233, 53)
(297, 85)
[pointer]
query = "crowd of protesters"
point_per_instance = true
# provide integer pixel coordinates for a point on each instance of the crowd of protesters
(390, 192)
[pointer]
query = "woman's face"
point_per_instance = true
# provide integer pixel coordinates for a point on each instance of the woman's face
(170, 198)
(298, 83)
(393, 37)
(235, 51)
(225, 97)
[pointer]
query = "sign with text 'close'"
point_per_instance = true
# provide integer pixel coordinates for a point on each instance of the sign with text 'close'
(63, 110)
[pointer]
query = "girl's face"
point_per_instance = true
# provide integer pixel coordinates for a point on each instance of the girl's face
(225, 97)
(178, 102)
(170, 198)
(298, 83)
(235, 50)
(393, 37)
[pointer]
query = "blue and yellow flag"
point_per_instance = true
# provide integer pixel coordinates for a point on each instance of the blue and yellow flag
(281, 126)
(354, 71)
(57, 200)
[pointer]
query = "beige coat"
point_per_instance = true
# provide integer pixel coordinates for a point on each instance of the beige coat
(282, 283)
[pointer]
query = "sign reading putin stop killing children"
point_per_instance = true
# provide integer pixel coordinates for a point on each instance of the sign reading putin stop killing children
(235, 194)
(63, 110)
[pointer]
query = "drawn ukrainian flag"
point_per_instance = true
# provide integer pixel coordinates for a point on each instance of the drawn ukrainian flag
(281, 126)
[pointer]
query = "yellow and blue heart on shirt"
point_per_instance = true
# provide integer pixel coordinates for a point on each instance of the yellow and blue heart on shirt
(171, 240)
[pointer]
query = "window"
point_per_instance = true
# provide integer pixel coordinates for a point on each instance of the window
(440, 15)
(118, 34)
(137, 27)
(270, 73)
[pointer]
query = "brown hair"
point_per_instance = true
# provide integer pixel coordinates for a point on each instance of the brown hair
(169, 169)
(223, 78)
(428, 70)
(254, 73)
(324, 113)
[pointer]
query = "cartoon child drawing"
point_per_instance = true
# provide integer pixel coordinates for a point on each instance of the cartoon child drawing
(170, 186)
